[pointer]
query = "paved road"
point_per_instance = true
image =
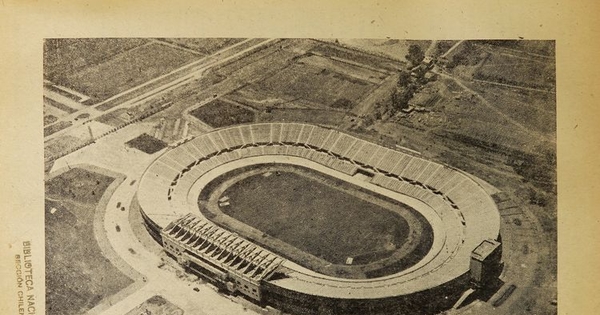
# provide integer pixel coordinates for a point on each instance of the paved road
(200, 67)
(126, 248)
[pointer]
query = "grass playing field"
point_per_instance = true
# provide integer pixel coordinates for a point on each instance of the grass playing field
(314, 217)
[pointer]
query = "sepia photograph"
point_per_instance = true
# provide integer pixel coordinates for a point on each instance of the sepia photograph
(207, 175)
(362, 157)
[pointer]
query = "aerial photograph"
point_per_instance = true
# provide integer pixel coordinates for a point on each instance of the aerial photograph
(223, 176)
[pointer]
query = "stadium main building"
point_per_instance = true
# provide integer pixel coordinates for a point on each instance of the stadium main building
(453, 206)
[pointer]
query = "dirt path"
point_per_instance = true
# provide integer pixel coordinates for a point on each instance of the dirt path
(451, 49)
(515, 86)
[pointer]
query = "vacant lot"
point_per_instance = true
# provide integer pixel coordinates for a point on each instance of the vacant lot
(219, 113)
(78, 276)
(205, 46)
(324, 221)
(127, 70)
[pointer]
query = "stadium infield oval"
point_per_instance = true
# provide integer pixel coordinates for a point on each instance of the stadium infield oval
(458, 209)
(322, 222)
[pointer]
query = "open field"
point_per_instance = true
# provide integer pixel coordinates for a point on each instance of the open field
(78, 276)
(65, 56)
(127, 70)
(508, 119)
(319, 85)
(536, 110)
(219, 113)
(205, 46)
(308, 74)
(512, 70)
(536, 48)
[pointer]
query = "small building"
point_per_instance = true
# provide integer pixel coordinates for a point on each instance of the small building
(428, 62)
(485, 262)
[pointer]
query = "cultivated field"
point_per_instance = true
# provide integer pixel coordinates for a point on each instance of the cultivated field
(307, 74)
(78, 276)
(65, 56)
(126, 70)
(356, 55)
(519, 71)
(205, 46)
(318, 85)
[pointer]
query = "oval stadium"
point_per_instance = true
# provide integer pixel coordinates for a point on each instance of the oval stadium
(312, 220)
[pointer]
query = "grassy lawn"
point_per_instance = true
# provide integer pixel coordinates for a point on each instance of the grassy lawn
(219, 113)
(146, 143)
(78, 276)
(324, 221)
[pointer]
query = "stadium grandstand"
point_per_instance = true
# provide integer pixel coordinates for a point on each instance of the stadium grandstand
(462, 215)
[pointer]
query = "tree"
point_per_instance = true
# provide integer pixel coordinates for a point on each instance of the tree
(415, 55)
(400, 97)
(403, 78)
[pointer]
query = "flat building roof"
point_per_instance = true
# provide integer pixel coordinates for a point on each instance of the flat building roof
(485, 249)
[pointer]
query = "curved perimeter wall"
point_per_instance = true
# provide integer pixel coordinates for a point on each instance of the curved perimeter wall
(465, 215)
